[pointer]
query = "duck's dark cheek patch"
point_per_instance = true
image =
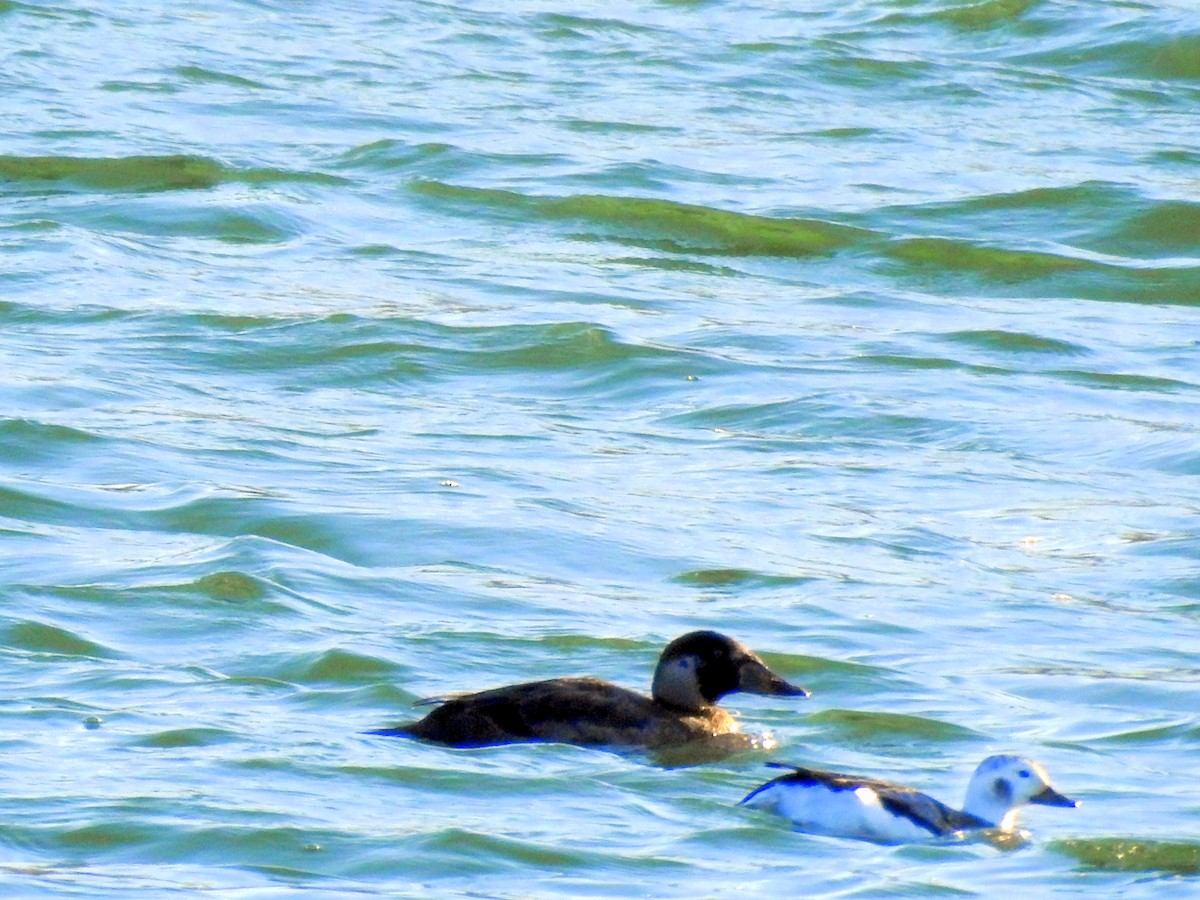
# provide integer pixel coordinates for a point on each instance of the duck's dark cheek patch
(1002, 790)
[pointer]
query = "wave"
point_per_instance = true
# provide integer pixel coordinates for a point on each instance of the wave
(140, 173)
(1158, 54)
(43, 638)
(1065, 248)
(661, 224)
(1133, 854)
(874, 728)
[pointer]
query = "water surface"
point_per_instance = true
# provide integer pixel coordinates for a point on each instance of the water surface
(362, 355)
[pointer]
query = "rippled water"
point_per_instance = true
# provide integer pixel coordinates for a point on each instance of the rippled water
(363, 353)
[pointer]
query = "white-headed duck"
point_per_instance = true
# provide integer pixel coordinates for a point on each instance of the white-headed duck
(840, 805)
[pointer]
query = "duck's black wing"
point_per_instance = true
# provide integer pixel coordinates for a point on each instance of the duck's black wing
(571, 710)
(922, 810)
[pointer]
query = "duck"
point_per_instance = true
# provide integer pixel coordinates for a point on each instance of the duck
(839, 805)
(693, 673)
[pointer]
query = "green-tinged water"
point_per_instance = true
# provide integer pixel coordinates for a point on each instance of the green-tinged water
(360, 353)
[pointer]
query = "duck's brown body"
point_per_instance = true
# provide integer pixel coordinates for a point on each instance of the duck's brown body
(693, 672)
(569, 710)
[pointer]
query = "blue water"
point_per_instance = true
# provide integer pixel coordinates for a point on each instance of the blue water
(363, 354)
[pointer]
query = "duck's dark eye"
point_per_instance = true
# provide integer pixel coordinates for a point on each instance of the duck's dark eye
(1024, 773)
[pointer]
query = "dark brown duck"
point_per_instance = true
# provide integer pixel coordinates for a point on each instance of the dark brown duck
(693, 673)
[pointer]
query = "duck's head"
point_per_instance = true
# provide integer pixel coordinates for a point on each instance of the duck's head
(1002, 784)
(698, 669)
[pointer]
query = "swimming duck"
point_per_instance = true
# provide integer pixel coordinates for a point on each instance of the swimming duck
(839, 805)
(693, 673)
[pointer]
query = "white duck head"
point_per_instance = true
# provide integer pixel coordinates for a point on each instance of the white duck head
(1002, 784)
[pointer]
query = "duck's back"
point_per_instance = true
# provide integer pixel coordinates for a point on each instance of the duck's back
(571, 710)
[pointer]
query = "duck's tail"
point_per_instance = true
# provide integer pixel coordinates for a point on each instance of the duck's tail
(397, 731)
